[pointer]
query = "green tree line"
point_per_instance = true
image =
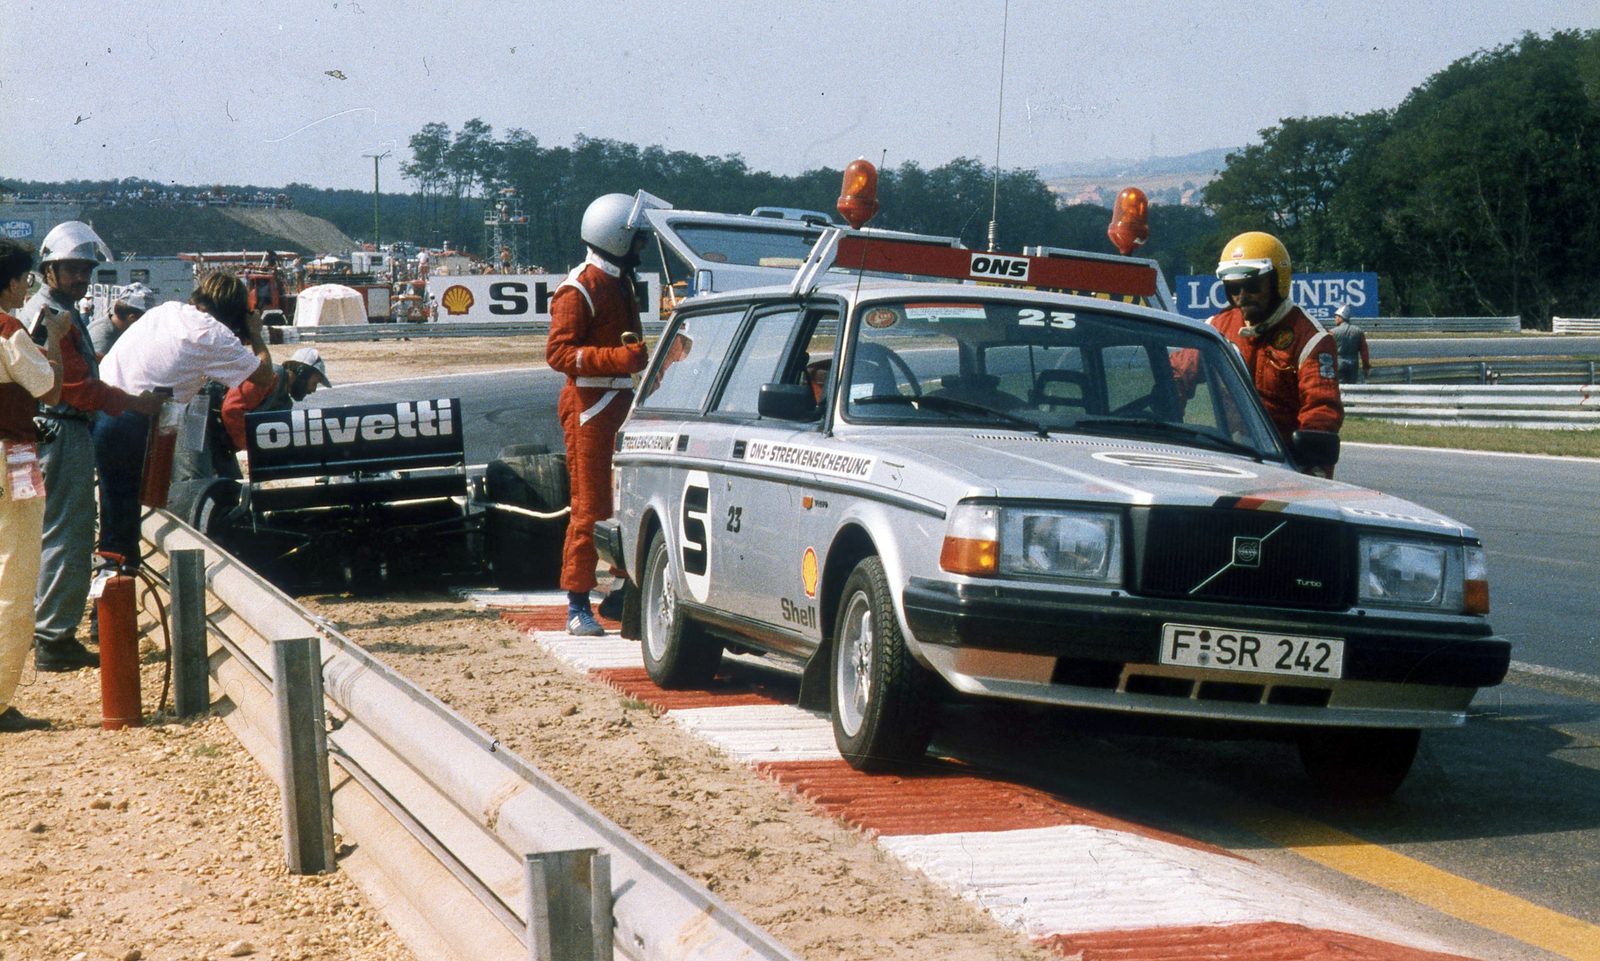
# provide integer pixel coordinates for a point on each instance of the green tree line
(458, 174)
(1478, 195)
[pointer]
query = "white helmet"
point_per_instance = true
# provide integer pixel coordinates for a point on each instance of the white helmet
(606, 224)
(1343, 313)
(73, 240)
(137, 296)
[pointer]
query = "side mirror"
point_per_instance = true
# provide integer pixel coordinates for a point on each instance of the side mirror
(1315, 448)
(787, 402)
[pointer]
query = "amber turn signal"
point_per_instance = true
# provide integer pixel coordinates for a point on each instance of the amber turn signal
(1130, 220)
(858, 198)
(1477, 598)
(961, 555)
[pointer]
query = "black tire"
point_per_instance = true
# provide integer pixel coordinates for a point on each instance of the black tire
(678, 653)
(206, 504)
(882, 699)
(1358, 763)
(513, 451)
(525, 552)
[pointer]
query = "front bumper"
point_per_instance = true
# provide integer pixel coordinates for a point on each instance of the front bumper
(1103, 650)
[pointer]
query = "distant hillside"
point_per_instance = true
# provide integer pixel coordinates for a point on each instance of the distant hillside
(1205, 161)
(162, 231)
(1165, 180)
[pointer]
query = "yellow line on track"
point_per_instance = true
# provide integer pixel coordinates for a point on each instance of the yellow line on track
(1456, 896)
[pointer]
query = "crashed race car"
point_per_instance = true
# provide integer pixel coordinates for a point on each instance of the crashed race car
(363, 496)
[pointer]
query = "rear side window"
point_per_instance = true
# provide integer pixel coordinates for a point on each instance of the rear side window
(689, 361)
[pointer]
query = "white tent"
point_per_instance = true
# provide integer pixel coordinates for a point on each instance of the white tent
(327, 305)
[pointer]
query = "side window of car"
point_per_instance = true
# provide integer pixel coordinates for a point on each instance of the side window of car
(690, 360)
(758, 361)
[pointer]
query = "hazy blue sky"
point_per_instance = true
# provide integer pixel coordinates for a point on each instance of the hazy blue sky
(205, 92)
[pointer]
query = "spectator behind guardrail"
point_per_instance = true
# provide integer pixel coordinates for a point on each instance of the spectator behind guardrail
(176, 346)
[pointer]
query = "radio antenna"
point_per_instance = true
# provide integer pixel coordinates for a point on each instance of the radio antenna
(994, 209)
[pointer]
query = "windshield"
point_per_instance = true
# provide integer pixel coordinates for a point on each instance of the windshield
(1024, 365)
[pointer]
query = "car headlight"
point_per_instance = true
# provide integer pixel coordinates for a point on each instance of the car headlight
(1413, 573)
(1081, 545)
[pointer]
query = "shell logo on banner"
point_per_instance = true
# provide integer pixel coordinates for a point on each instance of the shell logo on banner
(457, 300)
(808, 572)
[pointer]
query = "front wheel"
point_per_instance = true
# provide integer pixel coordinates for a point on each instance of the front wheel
(1358, 763)
(882, 698)
(678, 653)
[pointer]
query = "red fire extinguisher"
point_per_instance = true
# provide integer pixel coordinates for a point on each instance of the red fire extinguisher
(119, 649)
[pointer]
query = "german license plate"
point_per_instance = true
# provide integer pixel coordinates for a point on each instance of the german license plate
(1230, 649)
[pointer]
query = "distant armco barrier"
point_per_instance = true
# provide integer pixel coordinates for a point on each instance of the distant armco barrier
(1496, 405)
(1443, 325)
(1575, 325)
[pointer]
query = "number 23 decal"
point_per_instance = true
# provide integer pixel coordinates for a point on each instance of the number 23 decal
(1059, 319)
(735, 518)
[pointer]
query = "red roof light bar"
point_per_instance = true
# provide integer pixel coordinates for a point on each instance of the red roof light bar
(1062, 273)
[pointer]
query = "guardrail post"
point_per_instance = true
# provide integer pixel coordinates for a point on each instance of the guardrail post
(569, 905)
(191, 675)
(303, 755)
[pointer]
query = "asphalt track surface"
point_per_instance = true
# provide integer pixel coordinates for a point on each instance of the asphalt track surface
(1496, 834)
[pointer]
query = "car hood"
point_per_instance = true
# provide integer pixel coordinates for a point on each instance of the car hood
(1118, 470)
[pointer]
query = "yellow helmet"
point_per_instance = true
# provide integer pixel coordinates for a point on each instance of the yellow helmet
(1253, 253)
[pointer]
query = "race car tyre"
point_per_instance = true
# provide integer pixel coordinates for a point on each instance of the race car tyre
(1358, 763)
(206, 504)
(882, 703)
(525, 551)
(678, 653)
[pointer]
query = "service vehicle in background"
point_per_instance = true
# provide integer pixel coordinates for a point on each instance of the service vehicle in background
(972, 483)
(270, 276)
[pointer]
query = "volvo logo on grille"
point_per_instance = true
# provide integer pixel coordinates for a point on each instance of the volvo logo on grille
(1247, 552)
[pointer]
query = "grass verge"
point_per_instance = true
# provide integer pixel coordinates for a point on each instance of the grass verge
(1514, 440)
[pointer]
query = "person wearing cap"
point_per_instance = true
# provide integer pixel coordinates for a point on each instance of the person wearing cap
(1290, 356)
(1354, 361)
(28, 376)
(67, 261)
(595, 339)
(130, 305)
(215, 336)
(298, 377)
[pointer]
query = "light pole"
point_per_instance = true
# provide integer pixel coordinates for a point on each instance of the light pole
(376, 246)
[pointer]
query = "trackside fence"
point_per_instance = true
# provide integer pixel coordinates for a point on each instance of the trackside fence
(1477, 405)
(475, 854)
(1575, 325)
(408, 331)
(1444, 325)
(1487, 372)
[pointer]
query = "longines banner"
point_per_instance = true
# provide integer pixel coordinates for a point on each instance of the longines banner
(484, 298)
(1319, 295)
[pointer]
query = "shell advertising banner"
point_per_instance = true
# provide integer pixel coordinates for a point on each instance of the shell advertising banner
(486, 298)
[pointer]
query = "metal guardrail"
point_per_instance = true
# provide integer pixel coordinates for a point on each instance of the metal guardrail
(1575, 325)
(1448, 325)
(1475, 405)
(409, 331)
(420, 778)
(1486, 372)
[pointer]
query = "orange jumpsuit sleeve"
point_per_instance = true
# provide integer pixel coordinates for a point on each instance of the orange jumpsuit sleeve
(1320, 406)
(240, 401)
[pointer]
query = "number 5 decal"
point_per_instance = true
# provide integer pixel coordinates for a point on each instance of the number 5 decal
(694, 534)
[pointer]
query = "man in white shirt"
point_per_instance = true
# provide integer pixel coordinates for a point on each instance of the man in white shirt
(176, 347)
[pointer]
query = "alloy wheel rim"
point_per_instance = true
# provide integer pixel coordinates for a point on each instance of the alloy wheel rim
(661, 611)
(855, 665)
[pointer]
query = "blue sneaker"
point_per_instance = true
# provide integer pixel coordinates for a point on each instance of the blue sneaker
(583, 624)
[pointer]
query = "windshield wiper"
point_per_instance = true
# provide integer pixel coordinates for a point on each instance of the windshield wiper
(1168, 427)
(952, 405)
